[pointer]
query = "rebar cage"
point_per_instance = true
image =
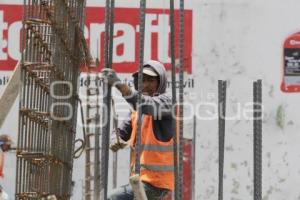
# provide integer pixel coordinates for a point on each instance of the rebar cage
(52, 31)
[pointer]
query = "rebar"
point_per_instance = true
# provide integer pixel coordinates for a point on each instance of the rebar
(115, 170)
(48, 106)
(257, 139)
(137, 167)
(115, 154)
(97, 148)
(193, 174)
(174, 102)
(106, 111)
(221, 113)
(181, 94)
(92, 129)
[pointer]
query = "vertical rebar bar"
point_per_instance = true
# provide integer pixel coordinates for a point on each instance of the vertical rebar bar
(193, 173)
(115, 170)
(221, 113)
(108, 59)
(140, 86)
(87, 181)
(181, 93)
(257, 139)
(174, 102)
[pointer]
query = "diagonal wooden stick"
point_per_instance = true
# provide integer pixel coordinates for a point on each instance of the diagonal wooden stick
(10, 93)
(137, 187)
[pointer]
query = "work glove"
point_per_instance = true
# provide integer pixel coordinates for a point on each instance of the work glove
(110, 76)
(118, 145)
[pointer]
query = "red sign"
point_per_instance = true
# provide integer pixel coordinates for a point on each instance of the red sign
(187, 174)
(187, 169)
(291, 64)
(126, 38)
(10, 26)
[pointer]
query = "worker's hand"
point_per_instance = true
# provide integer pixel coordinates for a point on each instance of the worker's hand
(118, 145)
(110, 76)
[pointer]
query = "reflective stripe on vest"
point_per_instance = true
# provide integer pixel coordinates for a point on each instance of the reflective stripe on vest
(156, 156)
(159, 168)
(159, 148)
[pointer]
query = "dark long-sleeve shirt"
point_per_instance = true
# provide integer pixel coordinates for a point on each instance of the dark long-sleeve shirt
(159, 107)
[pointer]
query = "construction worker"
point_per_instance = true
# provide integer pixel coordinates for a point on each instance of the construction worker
(5, 145)
(156, 135)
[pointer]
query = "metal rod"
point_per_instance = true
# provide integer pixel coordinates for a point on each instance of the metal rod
(193, 173)
(257, 139)
(181, 94)
(87, 181)
(174, 103)
(140, 86)
(107, 98)
(115, 154)
(115, 169)
(221, 113)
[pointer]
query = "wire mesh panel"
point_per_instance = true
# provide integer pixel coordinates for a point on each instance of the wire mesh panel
(48, 105)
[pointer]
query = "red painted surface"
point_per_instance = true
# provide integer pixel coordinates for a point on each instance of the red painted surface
(187, 169)
(128, 17)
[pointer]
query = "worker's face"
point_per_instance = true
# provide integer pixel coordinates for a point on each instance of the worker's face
(150, 84)
(5, 147)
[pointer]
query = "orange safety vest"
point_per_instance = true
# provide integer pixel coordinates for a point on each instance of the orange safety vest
(2, 166)
(157, 164)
